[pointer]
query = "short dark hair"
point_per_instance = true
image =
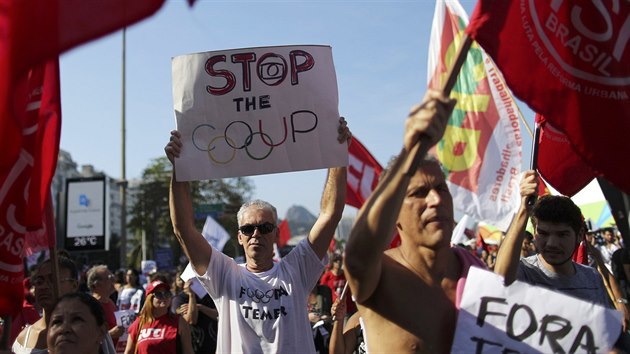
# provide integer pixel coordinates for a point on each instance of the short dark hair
(558, 209)
(95, 307)
(64, 263)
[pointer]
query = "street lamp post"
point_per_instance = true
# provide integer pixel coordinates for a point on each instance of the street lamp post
(123, 185)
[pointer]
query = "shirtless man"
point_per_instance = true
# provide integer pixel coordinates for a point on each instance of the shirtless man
(407, 296)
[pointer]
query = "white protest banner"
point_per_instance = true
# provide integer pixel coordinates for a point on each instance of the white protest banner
(522, 318)
(124, 318)
(254, 111)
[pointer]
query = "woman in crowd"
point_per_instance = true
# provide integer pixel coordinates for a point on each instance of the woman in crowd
(131, 295)
(32, 339)
(335, 279)
(157, 330)
(201, 315)
(77, 325)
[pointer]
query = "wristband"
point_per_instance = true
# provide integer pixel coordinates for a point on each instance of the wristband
(622, 301)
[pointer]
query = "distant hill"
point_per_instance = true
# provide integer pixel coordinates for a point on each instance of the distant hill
(300, 220)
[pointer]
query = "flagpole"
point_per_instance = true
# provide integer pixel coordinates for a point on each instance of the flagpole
(533, 162)
(420, 149)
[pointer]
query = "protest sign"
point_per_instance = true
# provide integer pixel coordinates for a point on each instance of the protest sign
(124, 318)
(522, 318)
(254, 111)
(195, 286)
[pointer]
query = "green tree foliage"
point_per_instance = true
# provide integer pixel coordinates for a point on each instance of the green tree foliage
(150, 211)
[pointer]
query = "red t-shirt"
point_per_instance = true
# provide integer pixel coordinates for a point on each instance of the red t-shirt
(157, 337)
(335, 282)
(109, 308)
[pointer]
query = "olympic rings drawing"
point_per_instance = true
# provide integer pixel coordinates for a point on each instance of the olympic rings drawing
(212, 148)
(246, 139)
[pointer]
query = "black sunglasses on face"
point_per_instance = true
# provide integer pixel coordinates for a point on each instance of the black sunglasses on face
(249, 229)
(161, 295)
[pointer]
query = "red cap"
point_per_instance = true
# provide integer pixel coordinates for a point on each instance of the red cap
(156, 284)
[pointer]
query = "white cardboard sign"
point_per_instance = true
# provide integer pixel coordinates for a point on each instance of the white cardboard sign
(256, 111)
(523, 318)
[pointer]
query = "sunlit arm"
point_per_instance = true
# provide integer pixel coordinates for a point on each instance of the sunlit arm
(373, 229)
(194, 245)
(509, 253)
(331, 211)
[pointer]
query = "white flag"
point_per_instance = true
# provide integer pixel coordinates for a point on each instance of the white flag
(215, 234)
(481, 148)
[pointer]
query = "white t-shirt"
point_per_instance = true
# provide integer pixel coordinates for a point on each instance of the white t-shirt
(131, 299)
(264, 312)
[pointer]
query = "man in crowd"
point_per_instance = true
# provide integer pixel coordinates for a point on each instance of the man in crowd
(558, 228)
(608, 248)
(408, 296)
(100, 281)
(32, 338)
(261, 304)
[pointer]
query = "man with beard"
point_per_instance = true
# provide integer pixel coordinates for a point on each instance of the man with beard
(558, 228)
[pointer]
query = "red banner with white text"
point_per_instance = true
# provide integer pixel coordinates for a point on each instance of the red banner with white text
(568, 60)
(363, 174)
(33, 31)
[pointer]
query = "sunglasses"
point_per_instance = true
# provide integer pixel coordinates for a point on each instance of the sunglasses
(39, 280)
(249, 229)
(161, 295)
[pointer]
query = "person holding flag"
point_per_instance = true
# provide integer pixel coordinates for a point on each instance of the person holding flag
(408, 296)
(261, 304)
(558, 228)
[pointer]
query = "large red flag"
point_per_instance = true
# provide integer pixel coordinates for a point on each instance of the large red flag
(568, 60)
(284, 233)
(32, 31)
(25, 186)
(363, 174)
(558, 163)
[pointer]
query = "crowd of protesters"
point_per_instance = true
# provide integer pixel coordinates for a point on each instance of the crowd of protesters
(297, 304)
(167, 299)
(161, 321)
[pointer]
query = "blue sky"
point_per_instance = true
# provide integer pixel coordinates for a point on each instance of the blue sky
(379, 49)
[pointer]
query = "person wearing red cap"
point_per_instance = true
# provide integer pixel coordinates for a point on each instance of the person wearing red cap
(262, 304)
(156, 330)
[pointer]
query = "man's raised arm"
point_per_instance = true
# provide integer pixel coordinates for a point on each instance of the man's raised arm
(510, 250)
(377, 218)
(333, 201)
(194, 245)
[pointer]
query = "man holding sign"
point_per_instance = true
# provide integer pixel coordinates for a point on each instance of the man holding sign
(408, 296)
(558, 228)
(261, 304)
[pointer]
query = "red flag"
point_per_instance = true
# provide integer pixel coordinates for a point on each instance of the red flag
(580, 255)
(25, 186)
(558, 163)
(568, 60)
(543, 189)
(32, 31)
(284, 233)
(363, 174)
